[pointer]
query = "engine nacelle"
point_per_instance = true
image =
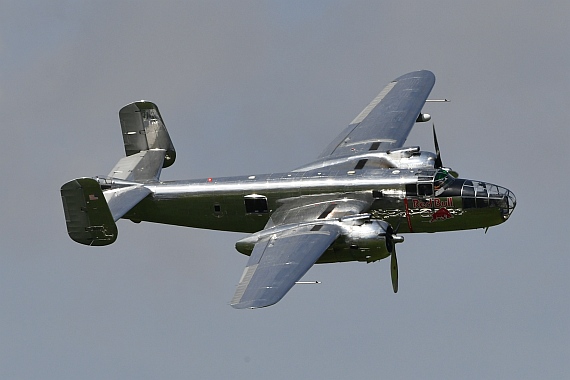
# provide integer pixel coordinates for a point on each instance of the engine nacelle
(411, 158)
(360, 241)
(370, 235)
(367, 236)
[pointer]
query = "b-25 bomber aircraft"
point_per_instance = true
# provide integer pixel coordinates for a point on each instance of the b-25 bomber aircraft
(351, 204)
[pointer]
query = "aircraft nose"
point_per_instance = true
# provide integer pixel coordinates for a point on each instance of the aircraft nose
(482, 194)
(505, 199)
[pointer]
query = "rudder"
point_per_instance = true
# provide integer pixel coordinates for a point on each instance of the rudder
(143, 129)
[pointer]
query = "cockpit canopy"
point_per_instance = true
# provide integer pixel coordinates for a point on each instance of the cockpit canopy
(474, 194)
(431, 182)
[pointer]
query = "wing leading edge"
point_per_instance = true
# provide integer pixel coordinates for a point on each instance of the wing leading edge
(387, 121)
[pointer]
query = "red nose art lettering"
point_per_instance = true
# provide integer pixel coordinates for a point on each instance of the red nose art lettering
(432, 203)
(441, 214)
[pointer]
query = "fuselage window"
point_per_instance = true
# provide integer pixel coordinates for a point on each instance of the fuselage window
(377, 194)
(425, 189)
(411, 190)
(256, 204)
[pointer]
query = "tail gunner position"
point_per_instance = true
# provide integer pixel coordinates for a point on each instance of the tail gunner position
(351, 204)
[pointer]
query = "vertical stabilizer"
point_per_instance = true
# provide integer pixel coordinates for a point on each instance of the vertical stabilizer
(143, 129)
(87, 216)
(147, 144)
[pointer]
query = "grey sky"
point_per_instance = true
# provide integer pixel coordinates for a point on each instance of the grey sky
(253, 87)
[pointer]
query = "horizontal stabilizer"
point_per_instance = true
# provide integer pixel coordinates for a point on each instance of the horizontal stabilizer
(121, 200)
(87, 215)
(144, 166)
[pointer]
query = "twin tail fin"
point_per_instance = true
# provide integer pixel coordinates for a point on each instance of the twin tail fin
(148, 146)
(91, 209)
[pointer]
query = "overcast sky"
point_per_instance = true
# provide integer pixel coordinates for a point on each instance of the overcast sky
(256, 87)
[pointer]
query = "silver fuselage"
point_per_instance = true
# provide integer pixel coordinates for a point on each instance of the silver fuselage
(400, 197)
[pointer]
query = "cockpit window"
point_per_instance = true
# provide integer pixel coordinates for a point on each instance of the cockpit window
(442, 179)
(425, 189)
(432, 182)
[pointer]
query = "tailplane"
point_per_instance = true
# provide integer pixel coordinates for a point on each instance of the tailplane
(92, 206)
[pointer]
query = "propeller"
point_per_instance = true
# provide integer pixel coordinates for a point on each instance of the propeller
(391, 240)
(394, 271)
(438, 163)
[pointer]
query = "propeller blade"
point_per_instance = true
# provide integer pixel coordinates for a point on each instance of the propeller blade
(438, 163)
(394, 271)
(389, 239)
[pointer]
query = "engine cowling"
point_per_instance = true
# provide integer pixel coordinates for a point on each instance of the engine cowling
(371, 235)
